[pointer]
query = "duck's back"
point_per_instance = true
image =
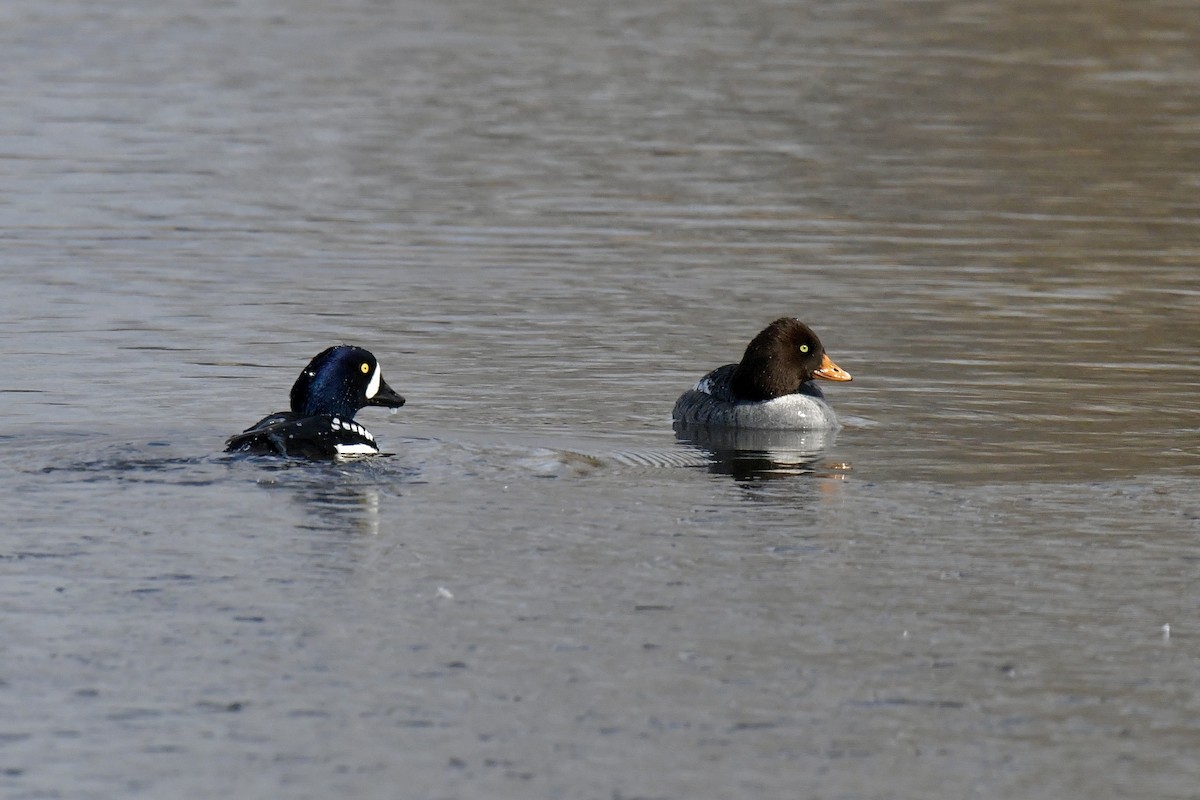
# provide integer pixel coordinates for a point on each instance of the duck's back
(711, 402)
(319, 436)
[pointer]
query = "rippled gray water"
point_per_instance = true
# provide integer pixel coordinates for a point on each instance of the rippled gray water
(547, 221)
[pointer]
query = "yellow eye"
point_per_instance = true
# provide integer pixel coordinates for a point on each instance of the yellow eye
(803, 349)
(365, 368)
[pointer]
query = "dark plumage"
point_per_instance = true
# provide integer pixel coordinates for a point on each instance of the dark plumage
(324, 399)
(779, 364)
(785, 355)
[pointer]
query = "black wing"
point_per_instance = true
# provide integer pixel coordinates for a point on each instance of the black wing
(287, 434)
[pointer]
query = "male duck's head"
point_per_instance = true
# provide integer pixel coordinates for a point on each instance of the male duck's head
(341, 380)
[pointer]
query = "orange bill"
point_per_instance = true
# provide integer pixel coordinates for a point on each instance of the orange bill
(831, 371)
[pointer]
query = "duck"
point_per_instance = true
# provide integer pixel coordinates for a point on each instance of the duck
(336, 384)
(771, 388)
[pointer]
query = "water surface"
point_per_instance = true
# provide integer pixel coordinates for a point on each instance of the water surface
(547, 222)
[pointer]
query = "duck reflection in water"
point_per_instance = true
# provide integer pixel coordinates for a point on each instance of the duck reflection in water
(344, 509)
(756, 455)
(337, 497)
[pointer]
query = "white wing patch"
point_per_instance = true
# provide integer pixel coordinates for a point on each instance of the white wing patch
(356, 449)
(703, 385)
(373, 386)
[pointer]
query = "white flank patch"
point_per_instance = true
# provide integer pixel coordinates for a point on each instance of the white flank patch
(356, 449)
(337, 424)
(373, 386)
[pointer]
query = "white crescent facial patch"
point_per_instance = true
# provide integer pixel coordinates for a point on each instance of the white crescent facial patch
(373, 386)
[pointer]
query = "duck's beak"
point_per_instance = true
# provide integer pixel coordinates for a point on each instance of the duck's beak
(831, 371)
(386, 396)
